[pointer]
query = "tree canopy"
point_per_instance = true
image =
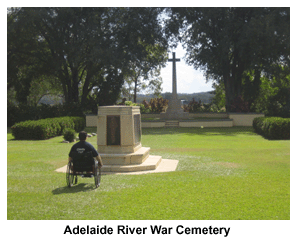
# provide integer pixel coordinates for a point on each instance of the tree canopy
(144, 74)
(91, 51)
(231, 43)
(87, 49)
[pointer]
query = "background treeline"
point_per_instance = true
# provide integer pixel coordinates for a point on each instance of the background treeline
(205, 97)
(89, 57)
(82, 54)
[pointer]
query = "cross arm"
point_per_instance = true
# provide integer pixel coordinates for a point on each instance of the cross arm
(173, 60)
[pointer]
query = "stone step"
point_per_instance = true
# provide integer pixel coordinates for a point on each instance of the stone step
(172, 123)
(151, 163)
(137, 157)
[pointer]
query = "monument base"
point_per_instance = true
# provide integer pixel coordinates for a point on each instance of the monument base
(174, 110)
(137, 157)
(119, 149)
(137, 161)
(174, 115)
(119, 141)
(149, 164)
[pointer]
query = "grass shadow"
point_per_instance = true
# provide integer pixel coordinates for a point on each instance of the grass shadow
(82, 187)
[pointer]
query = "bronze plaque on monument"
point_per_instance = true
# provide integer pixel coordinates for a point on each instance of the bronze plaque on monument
(137, 128)
(113, 130)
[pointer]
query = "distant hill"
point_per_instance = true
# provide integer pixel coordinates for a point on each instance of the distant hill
(51, 100)
(205, 97)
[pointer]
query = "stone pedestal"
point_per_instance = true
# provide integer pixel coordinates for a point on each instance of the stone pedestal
(119, 140)
(174, 111)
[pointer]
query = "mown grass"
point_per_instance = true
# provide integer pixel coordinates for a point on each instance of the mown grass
(223, 174)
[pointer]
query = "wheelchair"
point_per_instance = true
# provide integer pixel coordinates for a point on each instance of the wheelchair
(84, 165)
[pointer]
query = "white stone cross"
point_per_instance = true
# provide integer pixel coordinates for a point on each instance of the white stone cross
(174, 110)
(174, 60)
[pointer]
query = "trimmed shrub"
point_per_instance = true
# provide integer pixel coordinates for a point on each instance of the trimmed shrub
(65, 122)
(273, 128)
(79, 123)
(69, 134)
(158, 105)
(33, 130)
(258, 124)
(46, 128)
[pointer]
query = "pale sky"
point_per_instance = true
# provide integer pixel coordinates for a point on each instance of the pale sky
(189, 80)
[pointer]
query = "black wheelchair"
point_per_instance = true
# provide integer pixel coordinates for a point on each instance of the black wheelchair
(84, 165)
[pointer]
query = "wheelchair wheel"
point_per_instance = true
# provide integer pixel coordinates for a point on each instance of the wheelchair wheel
(69, 174)
(97, 175)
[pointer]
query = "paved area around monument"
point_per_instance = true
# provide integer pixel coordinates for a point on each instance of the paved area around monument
(166, 165)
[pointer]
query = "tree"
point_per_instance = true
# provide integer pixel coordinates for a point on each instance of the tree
(21, 68)
(44, 86)
(144, 74)
(219, 97)
(274, 97)
(87, 49)
(231, 43)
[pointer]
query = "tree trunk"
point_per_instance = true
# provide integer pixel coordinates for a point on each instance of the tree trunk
(228, 82)
(75, 85)
(85, 90)
(135, 90)
(72, 87)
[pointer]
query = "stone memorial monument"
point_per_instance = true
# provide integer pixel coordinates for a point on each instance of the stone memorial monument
(174, 110)
(119, 140)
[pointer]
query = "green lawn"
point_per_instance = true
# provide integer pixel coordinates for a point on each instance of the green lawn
(223, 174)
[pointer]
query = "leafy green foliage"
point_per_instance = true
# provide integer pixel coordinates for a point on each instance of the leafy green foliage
(44, 86)
(143, 109)
(23, 112)
(274, 128)
(193, 106)
(22, 69)
(197, 106)
(229, 42)
(88, 50)
(144, 74)
(274, 94)
(205, 97)
(156, 105)
(69, 134)
(219, 98)
(46, 128)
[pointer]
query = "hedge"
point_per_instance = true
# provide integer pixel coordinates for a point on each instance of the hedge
(273, 128)
(46, 128)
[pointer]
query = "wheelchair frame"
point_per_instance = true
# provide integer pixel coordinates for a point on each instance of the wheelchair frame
(75, 169)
